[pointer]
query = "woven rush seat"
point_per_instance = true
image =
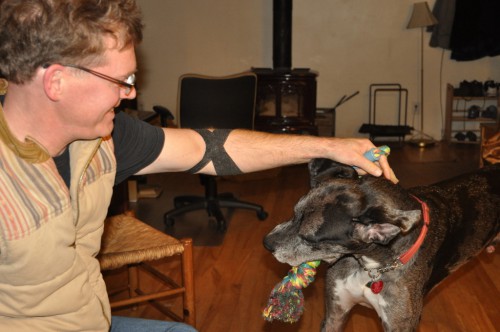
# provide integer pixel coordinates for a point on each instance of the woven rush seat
(130, 242)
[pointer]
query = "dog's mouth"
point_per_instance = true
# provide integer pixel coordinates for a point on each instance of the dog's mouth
(297, 260)
(332, 259)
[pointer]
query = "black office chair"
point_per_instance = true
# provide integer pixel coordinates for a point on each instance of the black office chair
(215, 102)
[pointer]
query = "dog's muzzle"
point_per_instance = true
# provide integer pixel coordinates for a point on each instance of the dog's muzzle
(268, 244)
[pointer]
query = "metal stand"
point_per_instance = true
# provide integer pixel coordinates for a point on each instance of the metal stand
(422, 140)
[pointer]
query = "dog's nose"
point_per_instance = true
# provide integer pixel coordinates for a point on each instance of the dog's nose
(267, 244)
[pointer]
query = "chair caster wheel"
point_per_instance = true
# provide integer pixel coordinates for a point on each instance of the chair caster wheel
(262, 215)
(169, 222)
(221, 226)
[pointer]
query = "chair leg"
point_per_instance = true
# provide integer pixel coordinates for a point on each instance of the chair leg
(237, 204)
(188, 281)
(213, 209)
(133, 282)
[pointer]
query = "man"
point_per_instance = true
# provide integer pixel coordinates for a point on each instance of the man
(68, 64)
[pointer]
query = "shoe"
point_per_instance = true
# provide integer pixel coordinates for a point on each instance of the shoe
(460, 136)
(463, 90)
(490, 88)
(473, 112)
(490, 112)
(477, 89)
(471, 136)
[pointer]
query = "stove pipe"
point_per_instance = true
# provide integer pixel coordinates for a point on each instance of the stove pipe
(282, 34)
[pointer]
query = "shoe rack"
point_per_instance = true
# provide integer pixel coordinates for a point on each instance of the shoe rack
(460, 125)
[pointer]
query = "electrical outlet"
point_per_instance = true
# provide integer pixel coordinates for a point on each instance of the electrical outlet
(416, 107)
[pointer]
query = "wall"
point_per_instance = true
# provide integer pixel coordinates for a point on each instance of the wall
(350, 43)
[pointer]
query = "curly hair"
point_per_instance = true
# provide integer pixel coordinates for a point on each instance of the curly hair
(38, 32)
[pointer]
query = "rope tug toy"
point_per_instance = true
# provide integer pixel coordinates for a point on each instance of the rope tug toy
(286, 302)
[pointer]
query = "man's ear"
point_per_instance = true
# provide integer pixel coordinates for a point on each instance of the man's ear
(321, 169)
(53, 81)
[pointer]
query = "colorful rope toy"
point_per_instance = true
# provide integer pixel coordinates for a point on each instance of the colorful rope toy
(286, 302)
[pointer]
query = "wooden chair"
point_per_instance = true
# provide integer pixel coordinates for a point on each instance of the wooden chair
(130, 242)
(490, 144)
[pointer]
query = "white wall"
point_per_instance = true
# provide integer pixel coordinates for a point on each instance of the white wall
(350, 43)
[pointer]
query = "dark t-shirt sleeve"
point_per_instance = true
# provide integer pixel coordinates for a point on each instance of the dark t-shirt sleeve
(137, 144)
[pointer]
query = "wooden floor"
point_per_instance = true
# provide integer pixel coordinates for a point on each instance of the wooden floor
(233, 280)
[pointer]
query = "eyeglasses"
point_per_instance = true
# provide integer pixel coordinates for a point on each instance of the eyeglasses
(127, 85)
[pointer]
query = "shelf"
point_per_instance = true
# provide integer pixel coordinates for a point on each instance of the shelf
(459, 117)
(462, 130)
(469, 98)
(465, 142)
(466, 119)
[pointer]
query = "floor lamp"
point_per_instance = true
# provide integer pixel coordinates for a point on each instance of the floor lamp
(421, 17)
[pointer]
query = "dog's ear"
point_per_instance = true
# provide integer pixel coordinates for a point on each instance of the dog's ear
(321, 169)
(376, 233)
(382, 225)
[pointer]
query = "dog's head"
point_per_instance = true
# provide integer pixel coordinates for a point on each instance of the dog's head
(341, 214)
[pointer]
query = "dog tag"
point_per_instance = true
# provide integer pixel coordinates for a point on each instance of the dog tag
(376, 286)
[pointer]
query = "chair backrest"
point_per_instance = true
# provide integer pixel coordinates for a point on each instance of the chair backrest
(217, 102)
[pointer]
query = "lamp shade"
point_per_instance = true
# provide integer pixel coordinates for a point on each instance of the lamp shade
(421, 16)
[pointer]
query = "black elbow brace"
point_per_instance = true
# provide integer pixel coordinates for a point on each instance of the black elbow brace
(216, 153)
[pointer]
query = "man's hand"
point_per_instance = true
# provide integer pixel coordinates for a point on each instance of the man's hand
(350, 151)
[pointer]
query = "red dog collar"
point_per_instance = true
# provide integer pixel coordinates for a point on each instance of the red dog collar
(404, 258)
(376, 284)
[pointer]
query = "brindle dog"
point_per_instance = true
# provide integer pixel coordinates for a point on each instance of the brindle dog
(362, 226)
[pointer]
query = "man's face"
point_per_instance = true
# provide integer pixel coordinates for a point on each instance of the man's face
(88, 109)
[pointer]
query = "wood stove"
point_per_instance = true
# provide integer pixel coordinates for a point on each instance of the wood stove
(286, 97)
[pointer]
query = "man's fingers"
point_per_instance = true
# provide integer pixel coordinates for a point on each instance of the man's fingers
(368, 166)
(387, 170)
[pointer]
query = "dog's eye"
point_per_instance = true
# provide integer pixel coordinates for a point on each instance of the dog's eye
(361, 220)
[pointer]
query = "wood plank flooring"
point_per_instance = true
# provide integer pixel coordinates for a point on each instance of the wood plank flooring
(233, 279)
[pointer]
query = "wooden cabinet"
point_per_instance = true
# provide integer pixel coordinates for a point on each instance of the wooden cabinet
(458, 120)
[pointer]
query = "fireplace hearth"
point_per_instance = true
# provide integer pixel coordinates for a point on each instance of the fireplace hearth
(286, 97)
